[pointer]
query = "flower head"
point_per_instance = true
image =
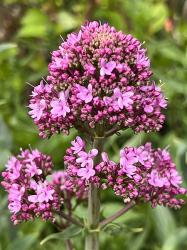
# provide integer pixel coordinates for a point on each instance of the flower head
(144, 174)
(107, 76)
(30, 195)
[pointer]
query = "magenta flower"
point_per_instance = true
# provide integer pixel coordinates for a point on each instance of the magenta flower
(77, 145)
(44, 192)
(32, 169)
(148, 108)
(61, 62)
(175, 178)
(127, 161)
(107, 67)
(86, 172)
(123, 99)
(14, 206)
(86, 159)
(13, 168)
(14, 197)
(155, 180)
(142, 61)
(85, 94)
(74, 38)
(60, 106)
(37, 109)
(142, 155)
(90, 68)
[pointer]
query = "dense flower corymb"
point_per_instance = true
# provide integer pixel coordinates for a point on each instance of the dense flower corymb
(98, 77)
(143, 174)
(29, 193)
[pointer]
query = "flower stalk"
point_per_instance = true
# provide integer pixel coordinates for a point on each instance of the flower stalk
(92, 236)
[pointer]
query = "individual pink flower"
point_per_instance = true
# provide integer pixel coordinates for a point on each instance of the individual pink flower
(86, 159)
(60, 106)
(37, 109)
(14, 206)
(90, 68)
(15, 195)
(85, 94)
(175, 178)
(32, 169)
(61, 62)
(107, 67)
(142, 61)
(127, 161)
(162, 101)
(155, 180)
(142, 155)
(148, 108)
(77, 145)
(44, 192)
(86, 172)
(123, 99)
(13, 168)
(74, 38)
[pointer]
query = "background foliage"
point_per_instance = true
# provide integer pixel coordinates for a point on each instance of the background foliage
(29, 31)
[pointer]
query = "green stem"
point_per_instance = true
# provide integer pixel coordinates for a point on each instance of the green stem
(117, 214)
(92, 236)
(69, 245)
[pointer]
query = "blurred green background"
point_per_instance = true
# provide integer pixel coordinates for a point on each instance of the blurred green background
(29, 31)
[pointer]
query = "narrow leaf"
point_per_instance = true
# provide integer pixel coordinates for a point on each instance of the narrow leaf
(68, 233)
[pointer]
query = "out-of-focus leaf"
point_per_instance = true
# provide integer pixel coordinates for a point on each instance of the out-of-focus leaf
(110, 208)
(7, 46)
(67, 21)
(5, 135)
(159, 14)
(139, 240)
(182, 159)
(177, 240)
(68, 233)
(164, 222)
(34, 24)
(116, 228)
(22, 243)
(4, 156)
(113, 228)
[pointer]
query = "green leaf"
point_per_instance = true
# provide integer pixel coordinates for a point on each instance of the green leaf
(4, 156)
(176, 240)
(68, 233)
(23, 243)
(67, 21)
(159, 14)
(5, 135)
(164, 222)
(114, 228)
(6, 46)
(110, 208)
(34, 24)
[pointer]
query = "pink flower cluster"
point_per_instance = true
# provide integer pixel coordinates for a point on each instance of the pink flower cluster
(80, 163)
(143, 174)
(68, 188)
(98, 77)
(30, 195)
